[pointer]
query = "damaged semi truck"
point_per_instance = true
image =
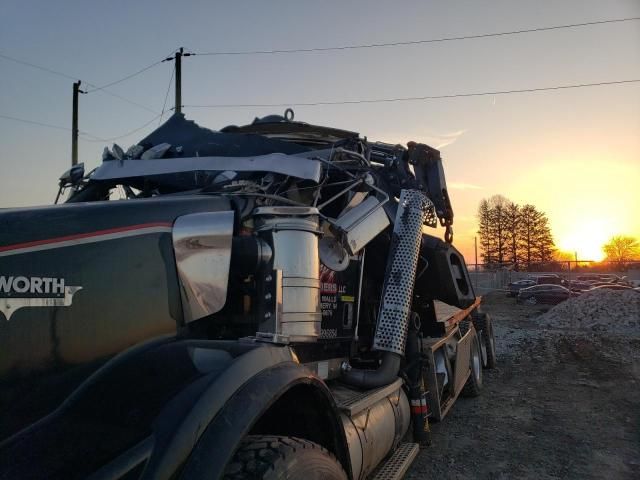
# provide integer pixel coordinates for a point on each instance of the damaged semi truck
(261, 301)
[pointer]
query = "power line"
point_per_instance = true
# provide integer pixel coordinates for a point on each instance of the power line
(93, 138)
(34, 122)
(88, 136)
(410, 99)
(124, 99)
(416, 42)
(71, 77)
(39, 67)
(103, 89)
(166, 96)
(134, 74)
(111, 139)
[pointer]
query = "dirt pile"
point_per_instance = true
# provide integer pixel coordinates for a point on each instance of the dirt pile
(599, 310)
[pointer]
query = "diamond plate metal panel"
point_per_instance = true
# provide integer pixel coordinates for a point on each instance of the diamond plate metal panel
(399, 463)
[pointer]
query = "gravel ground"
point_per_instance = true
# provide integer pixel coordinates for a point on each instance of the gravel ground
(600, 310)
(563, 403)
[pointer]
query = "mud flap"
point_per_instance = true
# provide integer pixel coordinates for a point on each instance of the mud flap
(463, 357)
(446, 277)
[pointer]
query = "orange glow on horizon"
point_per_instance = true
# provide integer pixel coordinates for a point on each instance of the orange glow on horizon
(586, 240)
(587, 201)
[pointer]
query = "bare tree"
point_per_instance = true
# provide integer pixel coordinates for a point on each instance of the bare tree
(622, 248)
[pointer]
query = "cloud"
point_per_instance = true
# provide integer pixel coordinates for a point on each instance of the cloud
(435, 139)
(463, 186)
(449, 138)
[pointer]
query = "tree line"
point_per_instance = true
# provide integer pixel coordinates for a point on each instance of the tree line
(513, 234)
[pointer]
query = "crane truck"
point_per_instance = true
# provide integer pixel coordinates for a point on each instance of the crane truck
(262, 301)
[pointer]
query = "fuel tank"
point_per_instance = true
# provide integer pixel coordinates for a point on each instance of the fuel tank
(79, 283)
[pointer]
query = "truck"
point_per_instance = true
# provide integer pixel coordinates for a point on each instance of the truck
(261, 301)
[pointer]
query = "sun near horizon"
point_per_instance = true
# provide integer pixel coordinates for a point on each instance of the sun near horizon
(589, 194)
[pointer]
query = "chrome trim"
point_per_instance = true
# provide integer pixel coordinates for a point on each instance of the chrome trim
(373, 431)
(278, 301)
(202, 245)
(280, 210)
(362, 254)
(361, 224)
(294, 241)
(294, 165)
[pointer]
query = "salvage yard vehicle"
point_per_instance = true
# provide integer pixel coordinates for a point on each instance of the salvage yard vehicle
(612, 286)
(602, 278)
(263, 300)
(550, 294)
(514, 287)
(578, 286)
(550, 279)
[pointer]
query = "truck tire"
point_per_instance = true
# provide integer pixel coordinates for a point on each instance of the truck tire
(484, 325)
(272, 457)
(473, 386)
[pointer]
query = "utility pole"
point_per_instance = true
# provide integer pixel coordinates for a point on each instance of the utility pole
(74, 124)
(475, 250)
(178, 59)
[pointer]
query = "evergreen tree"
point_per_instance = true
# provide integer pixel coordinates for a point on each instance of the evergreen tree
(544, 245)
(485, 232)
(526, 233)
(512, 215)
(535, 240)
(499, 226)
(513, 234)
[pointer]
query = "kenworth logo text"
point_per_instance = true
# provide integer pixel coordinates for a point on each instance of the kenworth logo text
(18, 292)
(31, 285)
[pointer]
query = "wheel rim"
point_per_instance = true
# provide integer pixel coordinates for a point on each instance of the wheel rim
(483, 349)
(476, 363)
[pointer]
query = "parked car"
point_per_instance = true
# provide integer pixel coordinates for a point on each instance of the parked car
(612, 286)
(590, 277)
(606, 284)
(515, 287)
(601, 278)
(612, 278)
(547, 293)
(579, 287)
(550, 279)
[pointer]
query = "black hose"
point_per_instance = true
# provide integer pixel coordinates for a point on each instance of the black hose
(397, 291)
(385, 374)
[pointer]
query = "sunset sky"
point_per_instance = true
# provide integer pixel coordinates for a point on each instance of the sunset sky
(575, 154)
